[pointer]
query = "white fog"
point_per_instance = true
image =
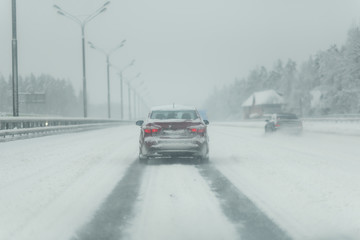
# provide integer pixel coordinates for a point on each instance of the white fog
(247, 114)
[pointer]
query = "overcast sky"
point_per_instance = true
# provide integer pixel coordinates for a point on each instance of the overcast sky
(182, 48)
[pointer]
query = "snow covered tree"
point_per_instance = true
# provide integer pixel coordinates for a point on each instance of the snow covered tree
(328, 83)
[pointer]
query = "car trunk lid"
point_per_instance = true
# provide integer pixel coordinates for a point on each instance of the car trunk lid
(175, 129)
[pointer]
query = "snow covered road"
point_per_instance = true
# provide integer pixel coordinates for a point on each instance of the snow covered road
(50, 186)
(176, 203)
(88, 186)
(309, 184)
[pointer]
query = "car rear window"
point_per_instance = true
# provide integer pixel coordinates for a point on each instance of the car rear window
(287, 117)
(178, 114)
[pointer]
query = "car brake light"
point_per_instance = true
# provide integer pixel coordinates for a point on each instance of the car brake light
(151, 130)
(277, 125)
(197, 130)
(201, 130)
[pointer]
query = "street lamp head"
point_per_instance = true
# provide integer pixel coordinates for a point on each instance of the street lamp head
(91, 44)
(61, 13)
(102, 10)
(121, 44)
(57, 7)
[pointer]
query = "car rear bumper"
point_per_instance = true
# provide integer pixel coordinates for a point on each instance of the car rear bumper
(290, 129)
(174, 147)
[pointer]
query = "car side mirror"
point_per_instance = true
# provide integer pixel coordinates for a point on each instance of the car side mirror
(140, 122)
(206, 122)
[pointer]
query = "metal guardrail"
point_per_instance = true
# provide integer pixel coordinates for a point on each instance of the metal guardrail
(21, 127)
(334, 119)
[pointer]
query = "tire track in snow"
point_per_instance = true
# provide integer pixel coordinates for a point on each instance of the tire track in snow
(251, 222)
(176, 203)
(114, 214)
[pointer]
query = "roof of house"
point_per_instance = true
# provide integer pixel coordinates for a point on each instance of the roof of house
(263, 97)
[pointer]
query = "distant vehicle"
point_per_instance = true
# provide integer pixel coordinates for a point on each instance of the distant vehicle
(287, 122)
(173, 131)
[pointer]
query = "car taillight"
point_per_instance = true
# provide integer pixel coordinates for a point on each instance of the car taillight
(201, 130)
(277, 125)
(197, 130)
(151, 130)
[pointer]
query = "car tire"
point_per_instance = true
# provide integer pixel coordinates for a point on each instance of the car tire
(205, 157)
(204, 160)
(269, 129)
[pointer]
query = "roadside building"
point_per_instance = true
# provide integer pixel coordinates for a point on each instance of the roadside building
(262, 103)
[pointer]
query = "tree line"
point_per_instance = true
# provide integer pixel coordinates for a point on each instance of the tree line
(327, 83)
(41, 95)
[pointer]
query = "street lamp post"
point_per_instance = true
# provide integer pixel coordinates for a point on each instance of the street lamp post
(129, 96)
(129, 93)
(121, 97)
(107, 55)
(120, 71)
(15, 86)
(143, 90)
(141, 101)
(82, 23)
(134, 104)
(136, 95)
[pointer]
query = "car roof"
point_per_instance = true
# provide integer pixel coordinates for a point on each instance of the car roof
(172, 108)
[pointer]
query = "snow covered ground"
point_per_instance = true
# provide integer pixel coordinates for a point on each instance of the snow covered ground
(50, 187)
